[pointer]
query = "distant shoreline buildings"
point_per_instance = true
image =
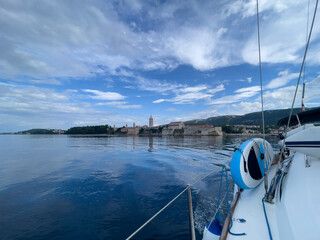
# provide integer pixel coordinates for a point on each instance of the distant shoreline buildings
(171, 129)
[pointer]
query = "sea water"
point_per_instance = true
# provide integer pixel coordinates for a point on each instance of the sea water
(105, 187)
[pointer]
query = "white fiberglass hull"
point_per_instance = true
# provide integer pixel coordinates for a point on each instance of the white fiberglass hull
(305, 139)
(295, 216)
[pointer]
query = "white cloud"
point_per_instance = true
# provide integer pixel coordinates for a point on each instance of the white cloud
(156, 85)
(284, 78)
(87, 38)
(240, 95)
(25, 107)
(159, 100)
(219, 88)
(249, 89)
(193, 89)
(249, 8)
(99, 95)
(189, 95)
(118, 104)
(190, 98)
(282, 41)
(233, 98)
(283, 97)
(249, 79)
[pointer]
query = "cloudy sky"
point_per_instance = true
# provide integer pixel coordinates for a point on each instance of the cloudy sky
(74, 63)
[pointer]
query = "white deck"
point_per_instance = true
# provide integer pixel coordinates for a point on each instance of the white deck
(296, 216)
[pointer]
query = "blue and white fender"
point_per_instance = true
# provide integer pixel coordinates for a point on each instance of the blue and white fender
(213, 230)
(250, 161)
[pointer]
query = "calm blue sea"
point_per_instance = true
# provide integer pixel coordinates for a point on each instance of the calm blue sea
(105, 187)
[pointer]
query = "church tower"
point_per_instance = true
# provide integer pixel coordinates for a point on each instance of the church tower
(150, 121)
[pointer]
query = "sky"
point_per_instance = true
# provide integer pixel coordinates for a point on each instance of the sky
(77, 63)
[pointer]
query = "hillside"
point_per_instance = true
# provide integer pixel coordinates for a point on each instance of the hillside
(271, 118)
(100, 129)
(41, 131)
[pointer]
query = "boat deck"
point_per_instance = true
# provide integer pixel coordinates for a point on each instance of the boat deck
(288, 217)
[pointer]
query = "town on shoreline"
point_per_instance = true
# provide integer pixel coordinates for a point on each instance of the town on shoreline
(171, 129)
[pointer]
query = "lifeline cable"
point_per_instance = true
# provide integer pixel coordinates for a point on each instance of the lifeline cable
(302, 65)
(162, 209)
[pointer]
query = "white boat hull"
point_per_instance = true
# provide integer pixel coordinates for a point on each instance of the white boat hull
(305, 139)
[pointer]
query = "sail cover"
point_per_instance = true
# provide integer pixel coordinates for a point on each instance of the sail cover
(309, 116)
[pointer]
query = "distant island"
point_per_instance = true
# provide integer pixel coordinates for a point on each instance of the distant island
(41, 131)
(230, 124)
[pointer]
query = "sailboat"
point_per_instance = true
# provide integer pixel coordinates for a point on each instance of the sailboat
(286, 206)
(276, 194)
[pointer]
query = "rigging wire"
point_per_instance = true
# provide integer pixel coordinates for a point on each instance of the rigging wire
(307, 31)
(305, 65)
(302, 65)
(262, 113)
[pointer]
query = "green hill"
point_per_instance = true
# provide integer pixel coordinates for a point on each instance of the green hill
(271, 118)
(101, 129)
(39, 131)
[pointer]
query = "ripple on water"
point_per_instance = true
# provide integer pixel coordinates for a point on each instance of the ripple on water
(62, 187)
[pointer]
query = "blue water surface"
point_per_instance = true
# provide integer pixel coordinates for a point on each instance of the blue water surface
(105, 187)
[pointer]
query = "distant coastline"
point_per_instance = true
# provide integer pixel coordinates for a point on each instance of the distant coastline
(247, 124)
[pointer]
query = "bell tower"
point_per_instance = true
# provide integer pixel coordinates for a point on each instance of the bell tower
(150, 122)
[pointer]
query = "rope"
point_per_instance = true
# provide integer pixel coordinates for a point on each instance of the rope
(302, 65)
(156, 214)
(266, 217)
(162, 209)
(202, 178)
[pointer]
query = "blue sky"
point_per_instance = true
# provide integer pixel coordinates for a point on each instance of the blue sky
(74, 63)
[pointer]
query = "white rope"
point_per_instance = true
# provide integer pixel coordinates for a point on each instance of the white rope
(199, 180)
(168, 205)
(156, 214)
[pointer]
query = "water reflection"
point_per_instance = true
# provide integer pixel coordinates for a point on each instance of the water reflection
(85, 187)
(150, 144)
